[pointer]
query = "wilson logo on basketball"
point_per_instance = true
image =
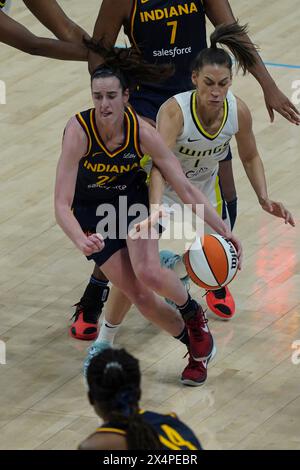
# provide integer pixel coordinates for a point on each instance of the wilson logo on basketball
(234, 258)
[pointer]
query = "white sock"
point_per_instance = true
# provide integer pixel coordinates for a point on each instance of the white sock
(107, 332)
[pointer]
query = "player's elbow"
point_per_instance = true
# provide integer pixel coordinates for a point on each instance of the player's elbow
(251, 160)
(249, 157)
(70, 32)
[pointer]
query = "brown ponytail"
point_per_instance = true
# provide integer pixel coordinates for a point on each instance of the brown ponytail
(128, 63)
(234, 37)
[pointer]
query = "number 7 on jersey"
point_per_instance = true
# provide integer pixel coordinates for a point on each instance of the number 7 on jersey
(174, 30)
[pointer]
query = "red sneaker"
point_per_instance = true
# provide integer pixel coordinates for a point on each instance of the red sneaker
(201, 340)
(85, 325)
(195, 373)
(221, 303)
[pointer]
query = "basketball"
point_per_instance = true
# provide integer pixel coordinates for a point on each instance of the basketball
(211, 262)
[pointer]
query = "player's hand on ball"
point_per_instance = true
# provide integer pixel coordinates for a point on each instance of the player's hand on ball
(239, 249)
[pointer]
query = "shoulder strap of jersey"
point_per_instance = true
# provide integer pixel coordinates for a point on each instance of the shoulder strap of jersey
(130, 28)
(84, 119)
(112, 430)
(135, 130)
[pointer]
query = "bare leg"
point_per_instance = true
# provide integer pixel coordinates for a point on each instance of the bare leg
(144, 258)
(227, 180)
(190, 327)
(117, 306)
(98, 274)
(118, 270)
(148, 270)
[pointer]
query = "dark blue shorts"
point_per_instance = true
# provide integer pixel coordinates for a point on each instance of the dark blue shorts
(113, 227)
(147, 105)
(228, 156)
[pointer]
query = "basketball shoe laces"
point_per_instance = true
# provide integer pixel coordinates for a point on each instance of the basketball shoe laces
(219, 293)
(197, 322)
(87, 316)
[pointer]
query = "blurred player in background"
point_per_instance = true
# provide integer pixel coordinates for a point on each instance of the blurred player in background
(114, 382)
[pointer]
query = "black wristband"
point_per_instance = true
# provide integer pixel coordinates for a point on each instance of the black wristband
(232, 211)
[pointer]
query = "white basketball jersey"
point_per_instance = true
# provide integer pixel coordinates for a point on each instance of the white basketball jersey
(200, 152)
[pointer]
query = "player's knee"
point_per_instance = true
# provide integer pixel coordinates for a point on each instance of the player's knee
(141, 297)
(150, 278)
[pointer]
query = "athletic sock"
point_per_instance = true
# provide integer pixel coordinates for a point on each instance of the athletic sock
(107, 332)
(184, 337)
(95, 294)
(189, 309)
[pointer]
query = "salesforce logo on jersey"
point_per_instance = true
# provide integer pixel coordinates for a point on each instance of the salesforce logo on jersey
(172, 52)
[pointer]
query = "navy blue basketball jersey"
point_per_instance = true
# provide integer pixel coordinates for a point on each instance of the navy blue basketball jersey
(104, 174)
(167, 32)
(173, 433)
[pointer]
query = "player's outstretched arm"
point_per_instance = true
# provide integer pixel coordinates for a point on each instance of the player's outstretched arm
(254, 166)
(16, 35)
(220, 12)
(51, 15)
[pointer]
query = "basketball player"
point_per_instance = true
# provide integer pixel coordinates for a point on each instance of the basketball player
(198, 125)
(176, 31)
(114, 382)
(100, 162)
(167, 31)
(69, 45)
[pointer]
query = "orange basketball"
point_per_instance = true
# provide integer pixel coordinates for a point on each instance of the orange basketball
(211, 262)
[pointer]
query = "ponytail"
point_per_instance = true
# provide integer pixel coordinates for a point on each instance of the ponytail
(128, 63)
(234, 37)
(141, 435)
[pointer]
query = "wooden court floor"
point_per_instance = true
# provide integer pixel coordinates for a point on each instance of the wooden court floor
(252, 396)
